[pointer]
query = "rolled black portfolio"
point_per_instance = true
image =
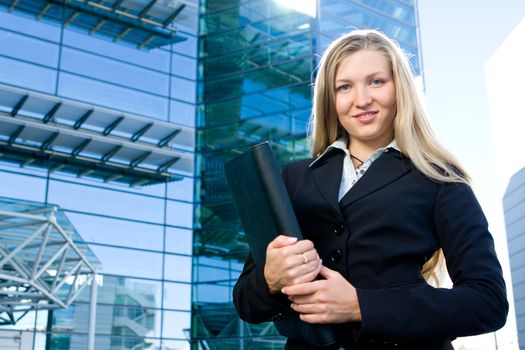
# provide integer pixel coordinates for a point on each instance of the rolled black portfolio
(265, 211)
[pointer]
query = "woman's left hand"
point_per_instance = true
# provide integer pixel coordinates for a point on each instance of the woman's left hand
(331, 300)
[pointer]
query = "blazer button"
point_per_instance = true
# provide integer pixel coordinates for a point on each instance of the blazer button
(336, 256)
(338, 229)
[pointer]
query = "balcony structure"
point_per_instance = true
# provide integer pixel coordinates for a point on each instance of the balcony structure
(44, 263)
(63, 135)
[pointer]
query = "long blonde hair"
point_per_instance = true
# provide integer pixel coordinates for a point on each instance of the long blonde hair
(413, 132)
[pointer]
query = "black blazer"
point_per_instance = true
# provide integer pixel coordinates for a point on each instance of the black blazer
(378, 237)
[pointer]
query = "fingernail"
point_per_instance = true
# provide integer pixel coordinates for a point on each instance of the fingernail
(292, 239)
(283, 291)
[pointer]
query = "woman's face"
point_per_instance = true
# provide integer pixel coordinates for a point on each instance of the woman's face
(365, 98)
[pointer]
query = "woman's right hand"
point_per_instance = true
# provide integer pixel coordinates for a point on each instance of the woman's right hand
(289, 261)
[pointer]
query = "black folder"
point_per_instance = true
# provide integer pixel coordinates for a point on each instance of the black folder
(266, 211)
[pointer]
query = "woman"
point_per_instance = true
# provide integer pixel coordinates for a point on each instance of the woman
(379, 206)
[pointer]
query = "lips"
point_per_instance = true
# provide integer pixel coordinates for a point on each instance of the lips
(365, 117)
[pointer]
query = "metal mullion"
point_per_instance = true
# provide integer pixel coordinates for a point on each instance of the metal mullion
(98, 26)
(147, 41)
(15, 134)
(49, 115)
(146, 9)
(43, 11)
(23, 244)
(113, 177)
(122, 34)
(23, 215)
(19, 105)
(41, 250)
(164, 167)
(80, 148)
(173, 15)
(13, 5)
(137, 135)
(83, 119)
(111, 153)
(47, 143)
(112, 126)
(135, 162)
(71, 18)
(164, 141)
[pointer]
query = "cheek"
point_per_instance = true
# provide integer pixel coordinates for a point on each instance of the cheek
(342, 104)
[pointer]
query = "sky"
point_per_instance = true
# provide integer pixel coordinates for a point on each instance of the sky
(458, 38)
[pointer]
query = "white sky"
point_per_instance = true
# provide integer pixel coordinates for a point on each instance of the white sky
(458, 37)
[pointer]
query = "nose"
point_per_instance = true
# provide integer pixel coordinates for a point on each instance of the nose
(362, 97)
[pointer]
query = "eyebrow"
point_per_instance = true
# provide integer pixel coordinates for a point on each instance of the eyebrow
(367, 77)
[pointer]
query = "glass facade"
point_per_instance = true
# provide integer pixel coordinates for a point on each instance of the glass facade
(514, 211)
(256, 61)
(171, 253)
(142, 236)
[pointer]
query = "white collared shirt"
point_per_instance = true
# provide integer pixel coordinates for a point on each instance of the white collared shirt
(350, 174)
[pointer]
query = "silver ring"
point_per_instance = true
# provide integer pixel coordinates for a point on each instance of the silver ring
(305, 258)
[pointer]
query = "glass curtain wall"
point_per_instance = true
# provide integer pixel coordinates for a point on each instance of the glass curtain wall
(142, 236)
(256, 61)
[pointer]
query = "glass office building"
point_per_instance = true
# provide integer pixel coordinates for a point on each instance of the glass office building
(514, 211)
(124, 119)
(256, 62)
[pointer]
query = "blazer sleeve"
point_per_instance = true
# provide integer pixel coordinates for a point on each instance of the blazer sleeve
(251, 296)
(476, 303)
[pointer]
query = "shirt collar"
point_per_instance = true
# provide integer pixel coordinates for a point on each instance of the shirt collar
(341, 144)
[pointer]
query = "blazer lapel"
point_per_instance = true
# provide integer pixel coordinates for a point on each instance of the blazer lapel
(384, 170)
(327, 176)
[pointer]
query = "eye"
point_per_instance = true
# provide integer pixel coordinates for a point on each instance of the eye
(344, 87)
(377, 82)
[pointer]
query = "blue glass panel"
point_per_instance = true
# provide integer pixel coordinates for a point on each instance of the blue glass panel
(125, 291)
(28, 25)
(182, 113)
(184, 66)
(27, 75)
(182, 190)
(106, 202)
(177, 296)
(112, 96)
(176, 324)
(179, 214)
(111, 71)
(212, 293)
(29, 49)
(96, 229)
(179, 240)
(187, 47)
(154, 59)
(22, 187)
(128, 262)
(184, 90)
(177, 268)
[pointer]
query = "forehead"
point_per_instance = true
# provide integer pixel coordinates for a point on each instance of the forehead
(363, 63)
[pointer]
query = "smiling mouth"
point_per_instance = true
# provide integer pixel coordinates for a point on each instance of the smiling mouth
(365, 115)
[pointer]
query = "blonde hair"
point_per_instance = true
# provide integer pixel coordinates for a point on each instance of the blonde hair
(412, 130)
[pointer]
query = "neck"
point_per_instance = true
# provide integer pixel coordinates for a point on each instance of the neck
(363, 150)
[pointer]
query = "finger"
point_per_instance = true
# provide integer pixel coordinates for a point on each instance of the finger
(310, 273)
(328, 273)
(282, 241)
(310, 308)
(298, 248)
(314, 318)
(301, 289)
